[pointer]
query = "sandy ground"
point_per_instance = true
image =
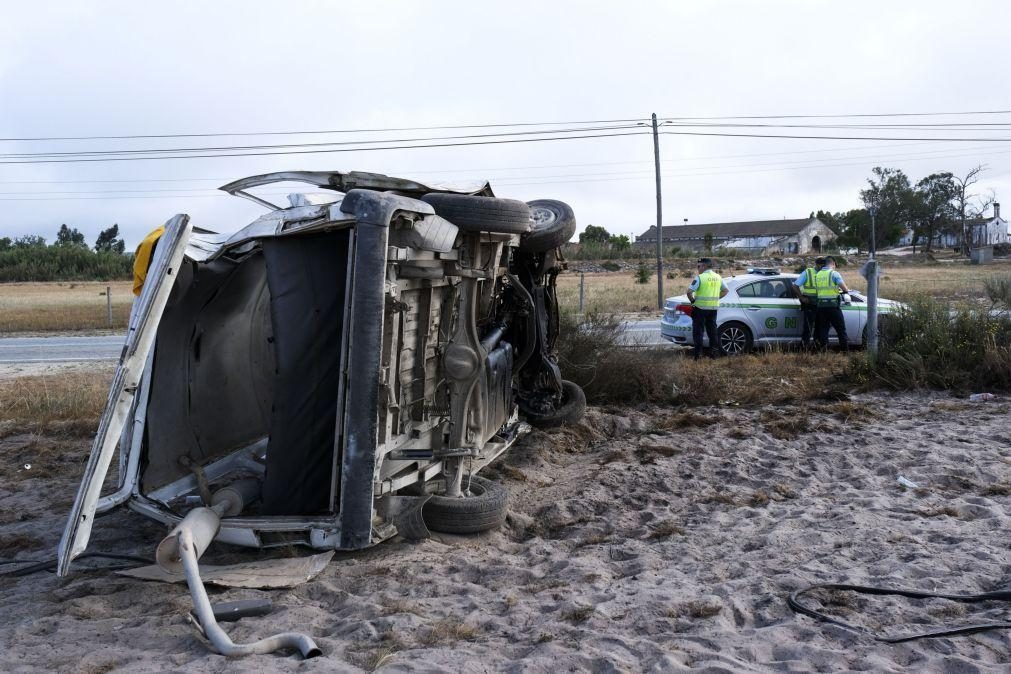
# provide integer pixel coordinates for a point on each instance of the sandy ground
(648, 540)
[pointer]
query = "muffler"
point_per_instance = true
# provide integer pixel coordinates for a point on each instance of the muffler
(181, 550)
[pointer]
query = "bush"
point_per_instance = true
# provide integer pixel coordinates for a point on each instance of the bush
(62, 263)
(611, 266)
(927, 346)
(591, 354)
(998, 291)
(643, 274)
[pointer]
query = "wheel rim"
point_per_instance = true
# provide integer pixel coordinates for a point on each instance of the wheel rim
(542, 216)
(733, 340)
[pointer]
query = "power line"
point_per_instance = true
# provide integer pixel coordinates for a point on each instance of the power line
(849, 115)
(324, 151)
(812, 137)
(321, 132)
(167, 150)
(687, 171)
(447, 127)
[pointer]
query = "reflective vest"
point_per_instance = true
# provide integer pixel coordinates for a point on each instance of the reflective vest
(809, 289)
(707, 296)
(142, 259)
(828, 289)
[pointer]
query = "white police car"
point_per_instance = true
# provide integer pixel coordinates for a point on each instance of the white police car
(761, 309)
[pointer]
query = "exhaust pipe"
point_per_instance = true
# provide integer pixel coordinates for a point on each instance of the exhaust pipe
(180, 550)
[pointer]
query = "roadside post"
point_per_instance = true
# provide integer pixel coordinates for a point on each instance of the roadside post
(108, 304)
(659, 218)
(582, 281)
(870, 272)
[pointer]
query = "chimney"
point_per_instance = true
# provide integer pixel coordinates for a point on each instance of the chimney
(996, 210)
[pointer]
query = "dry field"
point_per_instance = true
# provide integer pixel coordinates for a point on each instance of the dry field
(617, 292)
(62, 307)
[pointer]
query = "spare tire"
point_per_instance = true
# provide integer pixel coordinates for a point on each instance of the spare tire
(554, 224)
(482, 508)
(481, 214)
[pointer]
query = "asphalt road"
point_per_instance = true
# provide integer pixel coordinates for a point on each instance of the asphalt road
(60, 349)
(107, 348)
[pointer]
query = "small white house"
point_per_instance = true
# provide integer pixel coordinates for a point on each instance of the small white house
(986, 231)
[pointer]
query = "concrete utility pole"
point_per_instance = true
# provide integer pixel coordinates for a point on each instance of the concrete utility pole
(659, 219)
(870, 272)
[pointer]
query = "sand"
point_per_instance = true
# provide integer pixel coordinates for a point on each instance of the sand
(638, 541)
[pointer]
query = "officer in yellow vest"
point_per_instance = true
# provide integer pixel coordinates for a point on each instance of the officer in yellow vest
(806, 292)
(829, 283)
(704, 293)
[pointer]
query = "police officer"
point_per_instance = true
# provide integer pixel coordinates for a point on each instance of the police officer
(704, 293)
(806, 292)
(829, 283)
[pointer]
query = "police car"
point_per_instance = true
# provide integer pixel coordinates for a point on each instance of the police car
(761, 309)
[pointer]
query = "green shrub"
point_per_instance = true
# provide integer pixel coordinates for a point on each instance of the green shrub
(928, 346)
(62, 263)
(998, 291)
(643, 273)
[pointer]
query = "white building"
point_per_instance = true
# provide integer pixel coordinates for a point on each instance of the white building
(800, 236)
(986, 231)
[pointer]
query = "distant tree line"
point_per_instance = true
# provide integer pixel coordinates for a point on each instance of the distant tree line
(69, 258)
(938, 204)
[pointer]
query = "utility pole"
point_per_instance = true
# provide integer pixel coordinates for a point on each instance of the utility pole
(659, 219)
(871, 274)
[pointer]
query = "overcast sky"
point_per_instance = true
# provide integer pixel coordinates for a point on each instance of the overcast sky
(111, 68)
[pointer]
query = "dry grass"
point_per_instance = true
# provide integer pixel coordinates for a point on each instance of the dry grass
(666, 529)
(11, 544)
(617, 292)
(64, 404)
(609, 374)
(998, 489)
(785, 427)
(578, 616)
(447, 632)
(396, 605)
(58, 307)
(697, 609)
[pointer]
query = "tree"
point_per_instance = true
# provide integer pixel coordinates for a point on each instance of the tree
(891, 194)
(29, 241)
(5, 243)
(933, 211)
(620, 242)
(969, 205)
(594, 234)
(108, 241)
(707, 241)
(69, 236)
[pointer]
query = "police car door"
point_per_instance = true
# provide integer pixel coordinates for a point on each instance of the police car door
(773, 317)
(126, 383)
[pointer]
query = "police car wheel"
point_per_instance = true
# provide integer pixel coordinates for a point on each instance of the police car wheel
(734, 338)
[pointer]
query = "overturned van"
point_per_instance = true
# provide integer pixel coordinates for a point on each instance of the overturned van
(348, 363)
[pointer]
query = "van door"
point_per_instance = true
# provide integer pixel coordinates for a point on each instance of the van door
(144, 319)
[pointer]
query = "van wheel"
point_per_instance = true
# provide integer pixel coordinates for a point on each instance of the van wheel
(481, 214)
(734, 338)
(568, 412)
(553, 226)
(482, 507)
